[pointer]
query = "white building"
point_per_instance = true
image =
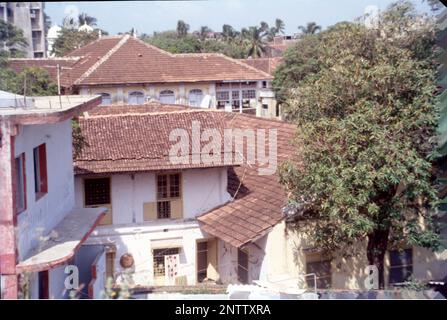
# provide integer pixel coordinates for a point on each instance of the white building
(41, 227)
(158, 209)
(53, 34)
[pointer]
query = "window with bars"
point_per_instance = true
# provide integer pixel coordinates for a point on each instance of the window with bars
(168, 188)
(320, 265)
(97, 191)
(401, 265)
(159, 259)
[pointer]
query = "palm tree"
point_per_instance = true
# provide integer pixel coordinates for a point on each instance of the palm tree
(279, 26)
(182, 28)
(271, 33)
(84, 18)
(310, 28)
(255, 37)
(264, 26)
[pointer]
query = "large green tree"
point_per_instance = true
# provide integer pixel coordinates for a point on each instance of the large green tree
(366, 119)
(71, 39)
(31, 81)
(12, 41)
(182, 28)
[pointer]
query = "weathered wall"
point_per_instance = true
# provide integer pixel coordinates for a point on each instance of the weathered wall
(41, 216)
(203, 189)
(140, 240)
(349, 272)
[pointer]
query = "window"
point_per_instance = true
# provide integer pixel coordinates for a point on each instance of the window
(195, 97)
(242, 266)
(20, 183)
(97, 191)
(168, 188)
(277, 110)
(106, 99)
(401, 265)
(136, 97)
(264, 84)
(159, 259)
(40, 171)
(110, 265)
(202, 260)
(167, 97)
(223, 98)
(320, 265)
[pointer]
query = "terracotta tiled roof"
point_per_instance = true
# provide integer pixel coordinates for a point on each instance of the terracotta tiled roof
(258, 202)
(123, 139)
(125, 60)
(267, 65)
(50, 64)
(135, 138)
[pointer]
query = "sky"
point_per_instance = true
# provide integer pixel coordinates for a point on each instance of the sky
(150, 16)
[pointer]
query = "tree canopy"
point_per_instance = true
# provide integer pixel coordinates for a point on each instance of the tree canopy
(12, 41)
(364, 108)
(248, 42)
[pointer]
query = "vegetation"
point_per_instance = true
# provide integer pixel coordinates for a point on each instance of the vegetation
(70, 38)
(310, 28)
(32, 81)
(248, 42)
(366, 117)
(11, 42)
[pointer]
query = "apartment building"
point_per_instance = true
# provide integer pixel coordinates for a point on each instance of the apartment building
(29, 17)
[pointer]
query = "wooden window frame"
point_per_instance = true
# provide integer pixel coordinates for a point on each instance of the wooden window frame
(40, 171)
(97, 204)
(109, 215)
(22, 176)
(169, 197)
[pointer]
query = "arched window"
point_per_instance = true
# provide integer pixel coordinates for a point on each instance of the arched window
(167, 96)
(106, 99)
(195, 97)
(136, 97)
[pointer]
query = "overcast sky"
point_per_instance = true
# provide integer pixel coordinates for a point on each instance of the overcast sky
(149, 16)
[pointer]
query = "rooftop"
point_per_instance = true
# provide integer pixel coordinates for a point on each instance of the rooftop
(44, 109)
(126, 60)
(119, 139)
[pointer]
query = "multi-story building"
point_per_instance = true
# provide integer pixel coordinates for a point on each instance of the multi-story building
(29, 17)
(126, 70)
(40, 227)
(221, 221)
